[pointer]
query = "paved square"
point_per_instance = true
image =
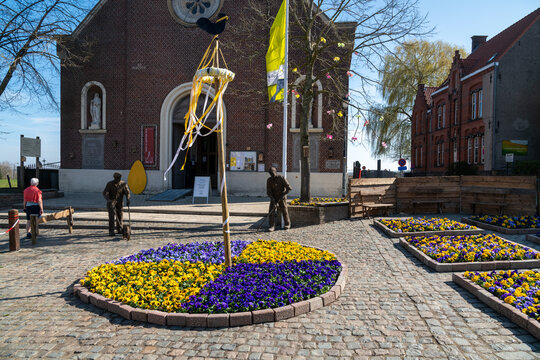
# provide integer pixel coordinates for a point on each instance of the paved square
(392, 306)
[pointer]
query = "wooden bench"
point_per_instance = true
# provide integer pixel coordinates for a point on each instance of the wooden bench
(485, 197)
(427, 195)
(367, 208)
(35, 220)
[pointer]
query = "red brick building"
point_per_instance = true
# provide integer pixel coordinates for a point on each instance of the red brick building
(488, 106)
(128, 103)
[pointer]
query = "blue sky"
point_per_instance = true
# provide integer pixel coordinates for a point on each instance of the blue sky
(455, 22)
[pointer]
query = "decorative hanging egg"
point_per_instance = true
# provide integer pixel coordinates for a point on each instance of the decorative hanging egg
(137, 178)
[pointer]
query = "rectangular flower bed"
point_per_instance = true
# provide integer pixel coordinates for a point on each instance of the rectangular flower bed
(470, 252)
(510, 293)
(513, 225)
(317, 212)
(399, 227)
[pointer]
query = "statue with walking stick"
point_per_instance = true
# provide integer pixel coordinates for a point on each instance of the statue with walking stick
(277, 188)
(114, 194)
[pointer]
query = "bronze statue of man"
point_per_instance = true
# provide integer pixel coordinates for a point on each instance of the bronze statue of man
(277, 188)
(114, 194)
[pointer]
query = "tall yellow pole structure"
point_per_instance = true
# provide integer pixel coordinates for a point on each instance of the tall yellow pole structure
(223, 182)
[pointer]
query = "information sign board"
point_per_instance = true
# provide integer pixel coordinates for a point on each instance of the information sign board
(243, 161)
(402, 168)
(30, 147)
(201, 188)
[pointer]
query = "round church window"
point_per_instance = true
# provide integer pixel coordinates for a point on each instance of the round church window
(187, 12)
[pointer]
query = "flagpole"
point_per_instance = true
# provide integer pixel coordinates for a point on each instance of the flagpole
(285, 90)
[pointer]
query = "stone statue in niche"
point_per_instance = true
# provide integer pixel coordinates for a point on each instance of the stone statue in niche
(95, 112)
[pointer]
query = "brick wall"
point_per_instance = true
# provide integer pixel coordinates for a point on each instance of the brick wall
(140, 54)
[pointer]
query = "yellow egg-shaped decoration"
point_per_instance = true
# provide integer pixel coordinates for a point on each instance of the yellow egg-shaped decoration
(137, 178)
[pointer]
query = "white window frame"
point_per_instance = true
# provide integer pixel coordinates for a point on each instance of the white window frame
(469, 150)
(475, 152)
(439, 154)
(439, 116)
(483, 151)
(455, 151)
(473, 105)
(442, 153)
(319, 105)
(444, 116)
(480, 99)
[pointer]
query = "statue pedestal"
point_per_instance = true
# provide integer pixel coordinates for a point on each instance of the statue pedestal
(303, 215)
(93, 150)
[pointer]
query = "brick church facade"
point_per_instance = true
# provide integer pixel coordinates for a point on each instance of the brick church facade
(488, 106)
(128, 103)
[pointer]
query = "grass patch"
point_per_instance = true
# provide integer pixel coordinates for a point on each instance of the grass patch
(5, 184)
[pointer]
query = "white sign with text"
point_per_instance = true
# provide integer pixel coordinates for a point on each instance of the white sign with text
(30, 147)
(201, 188)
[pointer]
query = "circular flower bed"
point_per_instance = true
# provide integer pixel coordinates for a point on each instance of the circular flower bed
(318, 200)
(424, 224)
(510, 222)
(470, 248)
(520, 289)
(192, 278)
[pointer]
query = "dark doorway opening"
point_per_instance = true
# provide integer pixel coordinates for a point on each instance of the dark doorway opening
(201, 157)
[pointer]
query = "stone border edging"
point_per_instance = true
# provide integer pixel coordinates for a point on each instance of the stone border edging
(500, 229)
(507, 310)
(395, 234)
(471, 266)
(533, 238)
(214, 320)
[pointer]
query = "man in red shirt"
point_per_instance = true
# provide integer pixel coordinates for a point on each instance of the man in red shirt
(33, 203)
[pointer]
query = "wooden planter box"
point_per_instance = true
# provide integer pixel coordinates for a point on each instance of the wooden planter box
(395, 234)
(471, 266)
(497, 228)
(303, 215)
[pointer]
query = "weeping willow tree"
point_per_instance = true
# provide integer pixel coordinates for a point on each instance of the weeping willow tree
(412, 63)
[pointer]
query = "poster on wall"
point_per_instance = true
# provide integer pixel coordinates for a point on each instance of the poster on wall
(243, 161)
(517, 147)
(149, 145)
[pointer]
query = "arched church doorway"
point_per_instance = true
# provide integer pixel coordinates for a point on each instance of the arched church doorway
(201, 157)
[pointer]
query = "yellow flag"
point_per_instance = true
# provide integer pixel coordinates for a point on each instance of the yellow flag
(275, 57)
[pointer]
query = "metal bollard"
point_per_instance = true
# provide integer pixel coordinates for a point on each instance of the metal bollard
(14, 239)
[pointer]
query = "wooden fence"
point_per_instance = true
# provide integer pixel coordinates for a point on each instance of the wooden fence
(511, 195)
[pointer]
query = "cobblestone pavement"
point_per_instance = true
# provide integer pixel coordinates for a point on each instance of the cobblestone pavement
(393, 307)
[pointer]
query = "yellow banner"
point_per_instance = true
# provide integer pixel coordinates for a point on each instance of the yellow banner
(275, 57)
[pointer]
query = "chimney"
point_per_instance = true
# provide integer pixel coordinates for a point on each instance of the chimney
(477, 40)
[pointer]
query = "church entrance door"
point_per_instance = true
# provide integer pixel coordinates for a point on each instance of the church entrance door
(201, 157)
(206, 163)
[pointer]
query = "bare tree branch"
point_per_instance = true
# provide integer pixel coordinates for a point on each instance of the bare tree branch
(30, 40)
